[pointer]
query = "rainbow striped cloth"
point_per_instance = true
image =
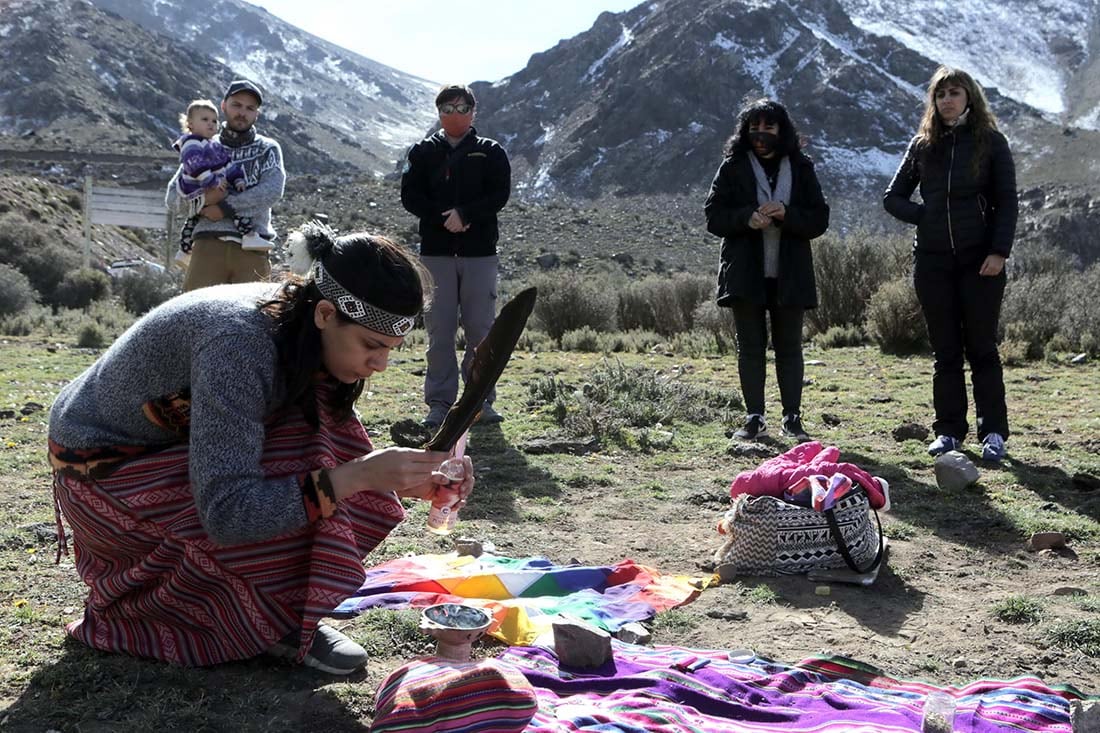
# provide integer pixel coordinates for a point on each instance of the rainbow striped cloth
(645, 690)
(524, 595)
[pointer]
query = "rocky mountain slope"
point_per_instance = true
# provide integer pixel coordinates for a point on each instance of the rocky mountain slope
(76, 77)
(642, 101)
(378, 107)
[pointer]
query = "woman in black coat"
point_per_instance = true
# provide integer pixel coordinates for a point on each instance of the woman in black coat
(766, 204)
(965, 227)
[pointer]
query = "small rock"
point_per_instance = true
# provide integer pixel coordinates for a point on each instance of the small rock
(544, 446)
(881, 399)
(909, 431)
(1085, 482)
(1084, 716)
(814, 362)
(466, 546)
(1046, 541)
(409, 433)
(830, 419)
(954, 471)
(747, 449)
(822, 590)
(634, 633)
(959, 664)
(7, 414)
(1069, 590)
(31, 407)
(1079, 359)
(580, 644)
(728, 615)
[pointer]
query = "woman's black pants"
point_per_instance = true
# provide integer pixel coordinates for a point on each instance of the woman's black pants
(961, 309)
(750, 320)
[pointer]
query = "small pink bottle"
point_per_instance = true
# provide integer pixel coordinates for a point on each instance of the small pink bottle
(444, 512)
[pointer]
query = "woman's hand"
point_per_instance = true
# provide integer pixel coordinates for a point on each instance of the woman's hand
(774, 209)
(759, 221)
(439, 480)
(993, 266)
(405, 471)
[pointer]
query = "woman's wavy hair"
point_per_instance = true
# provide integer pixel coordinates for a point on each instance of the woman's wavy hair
(980, 118)
(374, 269)
(769, 112)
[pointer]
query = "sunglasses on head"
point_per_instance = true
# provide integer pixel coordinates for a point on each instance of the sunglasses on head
(450, 109)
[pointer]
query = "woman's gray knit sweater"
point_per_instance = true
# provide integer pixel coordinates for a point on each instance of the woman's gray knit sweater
(215, 343)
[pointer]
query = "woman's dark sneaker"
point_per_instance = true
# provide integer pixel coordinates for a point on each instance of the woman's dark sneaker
(330, 651)
(792, 426)
(942, 444)
(754, 428)
(993, 448)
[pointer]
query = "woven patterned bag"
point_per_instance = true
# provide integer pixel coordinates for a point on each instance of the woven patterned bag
(769, 536)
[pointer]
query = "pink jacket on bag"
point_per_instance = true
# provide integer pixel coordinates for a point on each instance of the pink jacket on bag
(775, 475)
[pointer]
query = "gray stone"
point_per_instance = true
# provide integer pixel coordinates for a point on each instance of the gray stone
(954, 471)
(468, 546)
(1079, 359)
(1084, 716)
(634, 633)
(909, 431)
(1069, 590)
(548, 261)
(580, 644)
(544, 446)
(1046, 541)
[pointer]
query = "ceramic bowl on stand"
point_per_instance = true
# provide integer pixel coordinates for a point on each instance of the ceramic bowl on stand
(455, 627)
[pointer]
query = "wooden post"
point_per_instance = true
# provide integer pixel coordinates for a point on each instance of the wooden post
(87, 259)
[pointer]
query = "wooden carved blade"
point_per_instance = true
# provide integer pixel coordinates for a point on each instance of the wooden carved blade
(490, 358)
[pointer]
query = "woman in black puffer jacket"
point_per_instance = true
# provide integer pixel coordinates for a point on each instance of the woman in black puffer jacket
(965, 227)
(766, 204)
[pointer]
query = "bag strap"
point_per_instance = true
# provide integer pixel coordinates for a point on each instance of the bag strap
(842, 544)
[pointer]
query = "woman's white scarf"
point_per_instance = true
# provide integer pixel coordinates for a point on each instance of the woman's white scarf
(764, 194)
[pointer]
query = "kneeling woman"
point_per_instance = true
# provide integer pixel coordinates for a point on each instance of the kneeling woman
(221, 490)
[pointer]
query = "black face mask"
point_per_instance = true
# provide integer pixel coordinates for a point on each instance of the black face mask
(767, 140)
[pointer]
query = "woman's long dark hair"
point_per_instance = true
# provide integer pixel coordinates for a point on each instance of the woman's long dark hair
(373, 269)
(769, 112)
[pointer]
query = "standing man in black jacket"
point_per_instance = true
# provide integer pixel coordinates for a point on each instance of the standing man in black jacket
(456, 182)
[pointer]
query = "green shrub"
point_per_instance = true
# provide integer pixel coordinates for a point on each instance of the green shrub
(719, 322)
(142, 291)
(583, 339)
(16, 291)
(1081, 322)
(1016, 352)
(615, 398)
(1033, 307)
(629, 342)
(849, 271)
(91, 336)
(79, 288)
(663, 304)
(894, 318)
(568, 302)
(17, 236)
(840, 336)
(1018, 610)
(695, 343)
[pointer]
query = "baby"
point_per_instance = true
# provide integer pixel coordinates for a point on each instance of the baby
(205, 165)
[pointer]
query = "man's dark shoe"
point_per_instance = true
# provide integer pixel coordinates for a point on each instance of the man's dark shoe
(754, 428)
(489, 416)
(435, 417)
(792, 427)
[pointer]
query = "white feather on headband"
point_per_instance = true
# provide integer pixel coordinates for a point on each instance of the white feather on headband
(298, 258)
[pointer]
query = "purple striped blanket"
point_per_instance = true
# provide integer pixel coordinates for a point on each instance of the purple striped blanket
(647, 690)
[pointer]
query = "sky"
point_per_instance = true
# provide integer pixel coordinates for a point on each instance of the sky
(485, 40)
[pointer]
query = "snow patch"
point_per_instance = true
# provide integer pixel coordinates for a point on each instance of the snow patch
(857, 162)
(624, 40)
(1090, 120)
(845, 47)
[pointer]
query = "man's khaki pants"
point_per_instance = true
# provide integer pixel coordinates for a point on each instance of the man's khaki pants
(217, 261)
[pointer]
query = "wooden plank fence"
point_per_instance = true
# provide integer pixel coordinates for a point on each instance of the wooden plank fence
(125, 207)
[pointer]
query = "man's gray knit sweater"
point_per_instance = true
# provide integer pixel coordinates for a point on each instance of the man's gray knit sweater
(217, 344)
(262, 162)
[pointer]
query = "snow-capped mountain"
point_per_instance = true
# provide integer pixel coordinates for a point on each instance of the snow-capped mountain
(379, 107)
(1039, 52)
(642, 102)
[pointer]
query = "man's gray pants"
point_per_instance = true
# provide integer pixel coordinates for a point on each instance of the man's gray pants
(466, 286)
